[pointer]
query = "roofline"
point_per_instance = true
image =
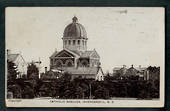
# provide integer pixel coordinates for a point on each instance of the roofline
(99, 68)
(18, 54)
(71, 52)
(96, 53)
(52, 56)
(75, 38)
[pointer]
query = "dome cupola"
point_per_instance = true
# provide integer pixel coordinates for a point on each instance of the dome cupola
(75, 37)
(75, 30)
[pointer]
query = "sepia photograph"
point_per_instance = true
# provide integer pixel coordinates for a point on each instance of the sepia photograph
(85, 56)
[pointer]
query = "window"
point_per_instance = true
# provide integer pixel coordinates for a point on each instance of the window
(65, 42)
(83, 42)
(69, 42)
(59, 64)
(78, 42)
(84, 63)
(74, 42)
(69, 63)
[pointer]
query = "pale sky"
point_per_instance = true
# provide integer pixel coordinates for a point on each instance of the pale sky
(121, 35)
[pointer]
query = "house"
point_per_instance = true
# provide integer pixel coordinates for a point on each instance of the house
(141, 72)
(19, 62)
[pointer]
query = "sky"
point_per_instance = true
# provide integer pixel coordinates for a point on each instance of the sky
(121, 35)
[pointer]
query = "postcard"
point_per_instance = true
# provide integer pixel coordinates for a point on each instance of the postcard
(85, 56)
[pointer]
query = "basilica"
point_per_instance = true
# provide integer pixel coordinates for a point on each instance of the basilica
(75, 58)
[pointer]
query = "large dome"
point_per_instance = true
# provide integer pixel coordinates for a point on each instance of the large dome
(75, 30)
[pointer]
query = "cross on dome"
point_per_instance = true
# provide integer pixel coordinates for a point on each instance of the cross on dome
(75, 19)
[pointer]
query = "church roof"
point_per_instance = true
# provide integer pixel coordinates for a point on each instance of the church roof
(87, 53)
(64, 50)
(75, 30)
(77, 53)
(53, 55)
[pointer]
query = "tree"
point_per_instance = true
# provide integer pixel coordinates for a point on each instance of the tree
(24, 76)
(117, 75)
(79, 92)
(12, 71)
(66, 77)
(32, 71)
(107, 77)
(154, 73)
(101, 93)
(15, 89)
(28, 92)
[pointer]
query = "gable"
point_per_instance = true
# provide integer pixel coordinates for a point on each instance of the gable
(12, 57)
(20, 60)
(16, 58)
(100, 72)
(100, 75)
(94, 55)
(64, 53)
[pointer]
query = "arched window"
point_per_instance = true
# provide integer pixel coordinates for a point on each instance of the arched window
(59, 63)
(69, 63)
(78, 42)
(84, 63)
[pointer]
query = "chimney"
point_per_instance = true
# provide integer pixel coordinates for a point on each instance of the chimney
(45, 69)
